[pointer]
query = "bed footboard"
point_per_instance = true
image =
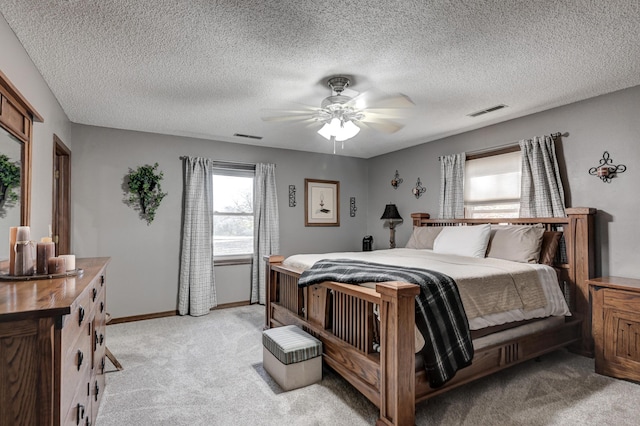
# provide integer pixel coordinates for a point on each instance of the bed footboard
(342, 317)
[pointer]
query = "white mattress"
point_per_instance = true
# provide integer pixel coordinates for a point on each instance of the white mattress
(556, 305)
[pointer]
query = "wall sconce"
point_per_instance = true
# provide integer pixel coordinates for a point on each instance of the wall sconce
(419, 189)
(606, 170)
(352, 207)
(396, 181)
(392, 216)
(292, 195)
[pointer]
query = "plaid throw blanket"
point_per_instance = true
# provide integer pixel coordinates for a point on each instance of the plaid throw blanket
(440, 315)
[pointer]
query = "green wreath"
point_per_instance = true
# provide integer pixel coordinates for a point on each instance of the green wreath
(144, 191)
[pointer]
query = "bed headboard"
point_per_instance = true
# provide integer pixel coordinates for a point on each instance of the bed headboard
(575, 265)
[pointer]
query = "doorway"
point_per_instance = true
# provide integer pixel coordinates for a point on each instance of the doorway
(61, 223)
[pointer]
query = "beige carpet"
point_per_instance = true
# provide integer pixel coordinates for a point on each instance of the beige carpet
(208, 371)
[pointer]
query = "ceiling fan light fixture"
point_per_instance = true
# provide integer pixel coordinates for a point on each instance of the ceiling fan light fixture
(340, 130)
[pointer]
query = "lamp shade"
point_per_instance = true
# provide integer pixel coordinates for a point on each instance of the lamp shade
(391, 213)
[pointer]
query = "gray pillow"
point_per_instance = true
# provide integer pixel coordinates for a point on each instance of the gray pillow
(519, 243)
(423, 237)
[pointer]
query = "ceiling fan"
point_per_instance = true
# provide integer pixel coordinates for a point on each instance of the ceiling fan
(345, 112)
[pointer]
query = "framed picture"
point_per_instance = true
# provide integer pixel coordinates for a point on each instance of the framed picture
(321, 202)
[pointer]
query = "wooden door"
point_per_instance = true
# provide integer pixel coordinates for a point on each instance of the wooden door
(61, 222)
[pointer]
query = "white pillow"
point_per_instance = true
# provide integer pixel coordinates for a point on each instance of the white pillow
(471, 240)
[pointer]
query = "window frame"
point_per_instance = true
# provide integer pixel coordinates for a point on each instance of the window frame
(233, 170)
(484, 154)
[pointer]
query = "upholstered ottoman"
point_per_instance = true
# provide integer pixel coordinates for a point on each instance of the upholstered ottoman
(292, 357)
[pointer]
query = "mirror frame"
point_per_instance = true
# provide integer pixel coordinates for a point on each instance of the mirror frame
(17, 117)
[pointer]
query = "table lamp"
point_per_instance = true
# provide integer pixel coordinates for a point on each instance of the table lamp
(392, 216)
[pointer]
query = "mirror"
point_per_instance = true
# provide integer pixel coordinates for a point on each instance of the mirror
(10, 187)
(16, 133)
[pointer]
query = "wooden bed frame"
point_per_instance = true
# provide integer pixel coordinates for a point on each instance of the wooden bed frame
(341, 316)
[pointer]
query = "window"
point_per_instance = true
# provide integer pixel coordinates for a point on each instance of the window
(492, 186)
(232, 212)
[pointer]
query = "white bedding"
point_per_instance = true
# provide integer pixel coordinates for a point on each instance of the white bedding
(450, 265)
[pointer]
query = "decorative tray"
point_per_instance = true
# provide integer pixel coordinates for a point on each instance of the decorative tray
(73, 273)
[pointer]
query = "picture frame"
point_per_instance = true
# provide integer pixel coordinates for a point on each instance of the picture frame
(321, 202)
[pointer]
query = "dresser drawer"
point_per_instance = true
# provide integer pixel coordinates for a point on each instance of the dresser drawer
(78, 322)
(76, 368)
(79, 412)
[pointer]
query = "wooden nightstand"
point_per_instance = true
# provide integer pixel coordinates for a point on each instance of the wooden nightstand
(616, 326)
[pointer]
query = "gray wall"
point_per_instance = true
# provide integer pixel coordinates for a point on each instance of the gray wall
(605, 123)
(143, 276)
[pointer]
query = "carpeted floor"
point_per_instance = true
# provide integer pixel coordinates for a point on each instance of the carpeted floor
(208, 371)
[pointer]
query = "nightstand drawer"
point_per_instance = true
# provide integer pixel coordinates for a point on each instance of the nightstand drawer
(622, 300)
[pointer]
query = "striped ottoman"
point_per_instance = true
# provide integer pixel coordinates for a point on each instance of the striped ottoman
(291, 356)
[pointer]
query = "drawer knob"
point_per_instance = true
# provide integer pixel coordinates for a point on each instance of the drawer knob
(94, 292)
(80, 358)
(79, 413)
(80, 315)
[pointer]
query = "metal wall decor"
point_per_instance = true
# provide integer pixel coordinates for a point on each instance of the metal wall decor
(292, 195)
(352, 207)
(418, 190)
(397, 180)
(606, 170)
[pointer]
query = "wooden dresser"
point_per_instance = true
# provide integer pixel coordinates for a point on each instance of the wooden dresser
(616, 326)
(52, 348)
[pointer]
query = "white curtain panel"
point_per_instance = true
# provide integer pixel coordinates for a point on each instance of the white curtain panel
(542, 194)
(266, 227)
(452, 186)
(197, 292)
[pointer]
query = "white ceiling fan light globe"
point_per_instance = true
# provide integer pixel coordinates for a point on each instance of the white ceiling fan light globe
(329, 129)
(348, 131)
(339, 129)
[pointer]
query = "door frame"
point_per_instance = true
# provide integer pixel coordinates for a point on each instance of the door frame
(61, 205)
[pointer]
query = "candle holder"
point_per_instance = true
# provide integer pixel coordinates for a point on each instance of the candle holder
(396, 181)
(418, 190)
(606, 170)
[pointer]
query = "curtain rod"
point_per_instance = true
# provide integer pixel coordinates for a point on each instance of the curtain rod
(226, 163)
(507, 145)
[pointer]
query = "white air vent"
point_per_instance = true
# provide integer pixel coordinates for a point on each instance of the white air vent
(240, 135)
(484, 111)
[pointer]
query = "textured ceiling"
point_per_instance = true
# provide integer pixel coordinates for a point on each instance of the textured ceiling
(205, 68)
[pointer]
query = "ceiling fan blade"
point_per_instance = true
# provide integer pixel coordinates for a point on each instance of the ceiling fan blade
(280, 115)
(384, 126)
(377, 99)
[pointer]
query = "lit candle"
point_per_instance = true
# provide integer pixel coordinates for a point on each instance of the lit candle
(56, 265)
(70, 260)
(45, 251)
(13, 233)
